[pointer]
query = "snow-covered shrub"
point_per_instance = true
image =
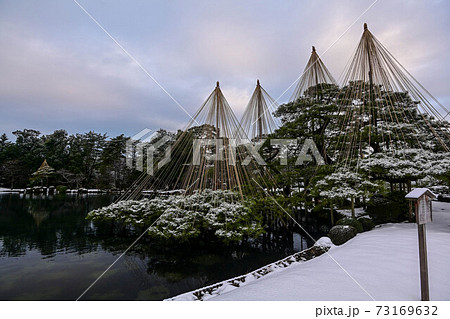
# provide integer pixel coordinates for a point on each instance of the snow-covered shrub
(351, 222)
(133, 212)
(208, 213)
(224, 220)
(345, 184)
(342, 233)
(409, 164)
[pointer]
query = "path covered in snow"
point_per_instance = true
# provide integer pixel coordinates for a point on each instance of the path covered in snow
(381, 264)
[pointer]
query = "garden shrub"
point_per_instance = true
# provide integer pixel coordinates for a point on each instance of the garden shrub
(367, 223)
(177, 217)
(351, 222)
(388, 209)
(342, 233)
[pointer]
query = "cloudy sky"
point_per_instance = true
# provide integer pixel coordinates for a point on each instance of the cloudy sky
(58, 69)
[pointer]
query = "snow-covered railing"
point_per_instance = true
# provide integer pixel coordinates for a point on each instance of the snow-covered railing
(205, 293)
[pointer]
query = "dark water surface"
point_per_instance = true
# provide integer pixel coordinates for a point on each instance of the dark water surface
(48, 251)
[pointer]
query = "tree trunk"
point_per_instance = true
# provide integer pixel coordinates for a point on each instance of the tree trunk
(332, 215)
(353, 207)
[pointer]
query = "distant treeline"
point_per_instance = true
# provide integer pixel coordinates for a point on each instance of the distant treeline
(90, 160)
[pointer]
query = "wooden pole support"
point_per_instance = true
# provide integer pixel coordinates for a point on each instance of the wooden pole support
(422, 198)
(424, 287)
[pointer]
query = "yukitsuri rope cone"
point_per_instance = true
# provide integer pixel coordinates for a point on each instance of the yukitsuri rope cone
(208, 154)
(382, 108)
(257, 120)
(314, 76)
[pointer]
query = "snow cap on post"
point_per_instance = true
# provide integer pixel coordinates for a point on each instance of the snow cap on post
(416, 193)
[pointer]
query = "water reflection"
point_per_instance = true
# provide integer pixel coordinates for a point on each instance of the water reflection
(48, 225)
(48, 251)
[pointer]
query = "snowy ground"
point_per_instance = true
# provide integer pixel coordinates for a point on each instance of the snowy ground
(381, 264)
(9, 190)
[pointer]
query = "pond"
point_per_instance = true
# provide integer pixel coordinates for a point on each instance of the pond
(49, 251)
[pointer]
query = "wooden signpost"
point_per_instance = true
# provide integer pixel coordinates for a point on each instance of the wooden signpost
(422, 198)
